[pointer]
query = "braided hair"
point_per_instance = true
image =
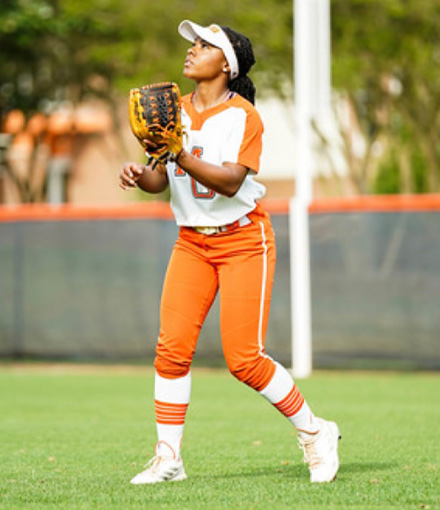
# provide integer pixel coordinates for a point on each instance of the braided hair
(242, 46)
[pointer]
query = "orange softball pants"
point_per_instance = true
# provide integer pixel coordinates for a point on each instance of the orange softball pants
(240, 264)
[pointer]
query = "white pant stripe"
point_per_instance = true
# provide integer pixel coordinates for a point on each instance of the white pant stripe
(263, 291)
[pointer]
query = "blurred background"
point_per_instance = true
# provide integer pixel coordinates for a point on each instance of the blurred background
(87, 286)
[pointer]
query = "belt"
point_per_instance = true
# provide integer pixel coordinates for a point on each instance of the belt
(208, 231)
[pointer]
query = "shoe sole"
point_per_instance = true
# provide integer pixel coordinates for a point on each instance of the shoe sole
(178, 478)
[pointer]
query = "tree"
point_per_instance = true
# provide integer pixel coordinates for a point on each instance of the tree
(384, 58)
(58, 51)
(46, 61)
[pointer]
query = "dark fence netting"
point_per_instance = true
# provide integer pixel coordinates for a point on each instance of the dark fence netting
(90, 290)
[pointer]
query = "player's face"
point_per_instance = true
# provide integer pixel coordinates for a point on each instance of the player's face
(204, 61)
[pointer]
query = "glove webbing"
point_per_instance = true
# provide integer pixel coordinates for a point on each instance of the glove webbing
(159, 109)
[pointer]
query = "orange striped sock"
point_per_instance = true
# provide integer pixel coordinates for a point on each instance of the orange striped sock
(168, 413)
(171, 398)
(283, 394)
(290, 404)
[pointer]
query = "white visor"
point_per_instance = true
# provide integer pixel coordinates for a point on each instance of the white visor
(213, 35)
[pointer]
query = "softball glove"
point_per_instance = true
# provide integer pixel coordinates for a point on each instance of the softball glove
(155, 117)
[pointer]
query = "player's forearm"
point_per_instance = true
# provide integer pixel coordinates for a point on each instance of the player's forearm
(153, 181)
(225, 179)
(134, 175)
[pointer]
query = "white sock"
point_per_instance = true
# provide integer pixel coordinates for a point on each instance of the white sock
(286, 397)
(171, 398)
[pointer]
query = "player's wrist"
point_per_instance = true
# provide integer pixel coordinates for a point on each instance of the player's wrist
(181, 156)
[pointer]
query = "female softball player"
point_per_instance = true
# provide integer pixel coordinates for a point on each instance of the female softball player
(226, 245)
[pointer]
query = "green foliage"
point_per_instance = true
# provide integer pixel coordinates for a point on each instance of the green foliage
(48, 53)
(73, 440)
(419, 174)
(388, 178)
(54, 50)
(386, 54)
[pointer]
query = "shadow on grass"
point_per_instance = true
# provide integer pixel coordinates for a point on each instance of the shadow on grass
(298, 472)
(364, 467)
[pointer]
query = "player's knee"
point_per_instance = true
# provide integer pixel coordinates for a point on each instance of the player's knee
(169, 368)
(255, 373)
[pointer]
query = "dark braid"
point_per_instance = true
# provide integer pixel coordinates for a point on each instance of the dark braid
(242, 84)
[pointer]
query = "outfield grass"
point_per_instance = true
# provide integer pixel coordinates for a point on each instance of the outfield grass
(73, 440)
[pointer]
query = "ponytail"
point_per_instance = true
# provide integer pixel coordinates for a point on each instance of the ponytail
(244, 86)
(242, 46)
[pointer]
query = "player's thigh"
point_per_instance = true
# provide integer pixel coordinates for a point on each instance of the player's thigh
(246, 282)
(189, 290)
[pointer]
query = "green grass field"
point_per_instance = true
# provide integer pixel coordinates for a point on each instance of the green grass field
(73, 438)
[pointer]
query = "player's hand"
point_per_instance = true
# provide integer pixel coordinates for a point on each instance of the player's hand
(151, 146)
(129, 175)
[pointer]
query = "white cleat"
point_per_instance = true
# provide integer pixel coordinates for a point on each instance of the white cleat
(321, 452)
(161, 469)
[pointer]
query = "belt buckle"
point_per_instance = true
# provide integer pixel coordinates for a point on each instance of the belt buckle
(207, 231)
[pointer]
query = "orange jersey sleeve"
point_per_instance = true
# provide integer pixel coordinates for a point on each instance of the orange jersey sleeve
(252, 143)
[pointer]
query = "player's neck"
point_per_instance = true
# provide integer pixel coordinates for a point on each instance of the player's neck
(207, 97)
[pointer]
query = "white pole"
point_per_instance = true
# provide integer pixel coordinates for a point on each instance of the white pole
(324, 60)
(311, 64)
(299, 225)
(300, 289)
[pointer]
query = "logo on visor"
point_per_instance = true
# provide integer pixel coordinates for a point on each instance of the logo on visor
(214, 28)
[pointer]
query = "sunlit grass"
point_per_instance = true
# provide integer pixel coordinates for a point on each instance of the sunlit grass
(73, 440)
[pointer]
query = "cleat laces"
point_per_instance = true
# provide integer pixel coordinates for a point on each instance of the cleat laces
(311, 457)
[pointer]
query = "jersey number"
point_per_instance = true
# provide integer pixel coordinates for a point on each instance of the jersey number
(198, 190)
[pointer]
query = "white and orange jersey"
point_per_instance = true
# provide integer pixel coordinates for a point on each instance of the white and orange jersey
(230, 132)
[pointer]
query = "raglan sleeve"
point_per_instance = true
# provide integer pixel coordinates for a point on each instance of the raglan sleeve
(246, 140)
